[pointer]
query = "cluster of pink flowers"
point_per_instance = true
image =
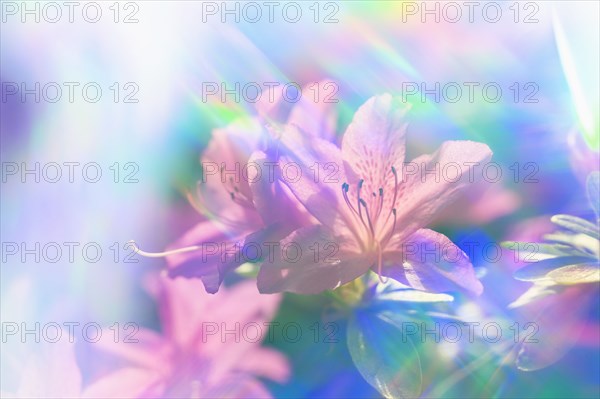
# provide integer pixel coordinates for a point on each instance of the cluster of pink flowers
(185, 360)
(351, 205)
(350, 210)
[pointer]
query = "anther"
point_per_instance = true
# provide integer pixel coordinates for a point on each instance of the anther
(380, 203)
(345, 188)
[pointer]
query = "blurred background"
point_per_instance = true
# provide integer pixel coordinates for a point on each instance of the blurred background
(152, 61)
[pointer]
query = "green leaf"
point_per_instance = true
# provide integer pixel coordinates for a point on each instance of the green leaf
(537, 291)
(384, 357)
(576, 225)
(576, 274)
(593, 191)
(533, 251)
(542, 270)
(586, 245)
(249, 270)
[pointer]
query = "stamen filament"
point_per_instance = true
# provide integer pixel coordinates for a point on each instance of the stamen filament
(393, 228)
(240, 199)
(380, 203)
(138, 251)
(382, 279)
(395, 193)
(363, 203)
(360, 184)
(345, 187)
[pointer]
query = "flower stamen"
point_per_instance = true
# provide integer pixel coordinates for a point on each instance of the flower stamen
(391, 233)
(138, 251)
(380, 202)
(363, 203)
(382, 279)
(395, 193)
(345, 188)
(360, 184)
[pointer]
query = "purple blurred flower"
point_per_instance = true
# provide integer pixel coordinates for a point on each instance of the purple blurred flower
(232, 206)
(52, 372)
(241, 211)
(194, 356)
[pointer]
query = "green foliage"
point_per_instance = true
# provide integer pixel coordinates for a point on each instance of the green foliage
(386, 360)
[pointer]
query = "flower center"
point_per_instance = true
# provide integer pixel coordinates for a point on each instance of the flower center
(238, 196)
(372, 216)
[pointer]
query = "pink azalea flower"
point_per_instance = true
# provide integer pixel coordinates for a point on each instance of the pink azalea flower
(232, 201)
(52, 372)
(194, 355)
(237, 205)
(370, 209)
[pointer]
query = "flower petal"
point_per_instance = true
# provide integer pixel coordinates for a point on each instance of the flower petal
(52, 372)
(186, 310)
(314, 112)
(273, 200)
(223, 164)
(126, 383)
(311, 260)
(312, 169)
(429, 261)
(207, 262)
(423, 194)
(317, 118)
(237, 386)
(375, 141)
(223, 312)
(235, 142)
(267, 362)
(144, 348)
